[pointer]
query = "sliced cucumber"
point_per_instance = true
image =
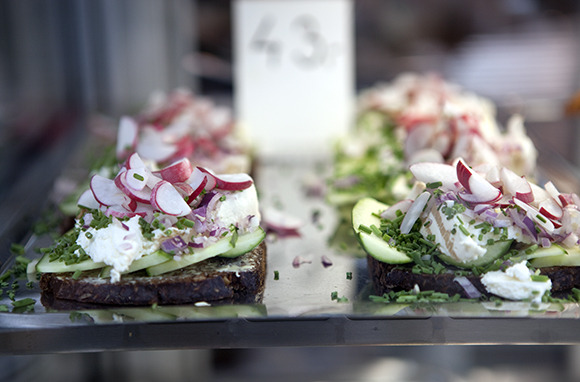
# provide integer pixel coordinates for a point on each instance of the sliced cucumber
(246, 243)
(222, 246)
(493, 252)
(363, 214)
(47, 266)
(143, 262)
(552, 250)
(570, 258)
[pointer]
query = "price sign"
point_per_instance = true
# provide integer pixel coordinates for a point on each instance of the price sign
(294, 88)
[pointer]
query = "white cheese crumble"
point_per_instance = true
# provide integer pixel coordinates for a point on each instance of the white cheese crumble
(515, 283)
(117, 245)
(238, 208)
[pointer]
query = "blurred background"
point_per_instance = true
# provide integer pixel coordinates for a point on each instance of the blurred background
(68, 65)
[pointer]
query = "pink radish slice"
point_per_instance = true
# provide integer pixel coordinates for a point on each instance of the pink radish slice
(391, 212)
(137, 178)
(153, 147)
(105, 191)
(516, 186)
(550, 209)
(280, 223)
(553, 192)
(476, 199)
(233, 182)
(184, 189)
(179, 171)
(429, 172)
(126, 136)
(211, 179)
(196, 178)
(482, 190)
(87, 199)
(119, 212)
(539, 193)
(134, 162)
(142, 196)
(414, 212)
(197, 191)
(165, 198)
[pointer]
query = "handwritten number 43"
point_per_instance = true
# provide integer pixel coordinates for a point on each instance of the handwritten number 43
(313, 50)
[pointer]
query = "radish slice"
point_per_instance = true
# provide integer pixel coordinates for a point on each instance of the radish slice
(280, 223)
(87, 199)
(430, 172)
(134, 162)
(477, 199)
(553, 192)
(142, 196)
(179, 171)
(477, 185)
(165, 198)
(516, 186)
(106, 192)
(550, 209)
(211, 178)
(152, 146)
(137, 178)
(414, 212)
(233, 182)
(126, 136)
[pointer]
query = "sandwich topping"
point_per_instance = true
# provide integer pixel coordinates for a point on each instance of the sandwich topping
(421, 118)
(158, 220)
(484, 221)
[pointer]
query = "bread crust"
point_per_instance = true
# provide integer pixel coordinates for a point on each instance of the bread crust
(389, 277)
(217, 279)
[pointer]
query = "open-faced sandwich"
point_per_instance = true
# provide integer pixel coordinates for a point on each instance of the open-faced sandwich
(175, 235)
(473, 232)
(421, 118)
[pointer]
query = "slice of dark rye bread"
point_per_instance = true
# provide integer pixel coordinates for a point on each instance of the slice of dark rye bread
(216, 280)
(389, 277)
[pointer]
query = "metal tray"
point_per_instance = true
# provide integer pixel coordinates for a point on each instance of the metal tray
(298, 308)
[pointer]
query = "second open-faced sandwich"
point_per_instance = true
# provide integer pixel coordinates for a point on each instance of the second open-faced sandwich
(473, 232)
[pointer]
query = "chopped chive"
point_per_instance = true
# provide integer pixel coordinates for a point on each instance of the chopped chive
(138, 177)
(89, 235)
(188, 223)
(77, 274)
(365, 229)
(276, 275)
(433, 185)
(23, 302)
(540, 278)
(541, 218)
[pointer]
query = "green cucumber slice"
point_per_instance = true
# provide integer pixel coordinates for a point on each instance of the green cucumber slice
(362, 214)
(494, 251)
(552, 250)
(216, 249)
(246, 243)
(47, 266)
(570, 258)
(143, 262)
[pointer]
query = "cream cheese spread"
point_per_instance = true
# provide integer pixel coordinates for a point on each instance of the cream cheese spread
(515, 283)
(117, 245)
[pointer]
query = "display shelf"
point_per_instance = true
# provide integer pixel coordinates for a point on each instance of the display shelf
(297, 308)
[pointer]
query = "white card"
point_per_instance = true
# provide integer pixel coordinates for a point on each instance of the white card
(294, 86)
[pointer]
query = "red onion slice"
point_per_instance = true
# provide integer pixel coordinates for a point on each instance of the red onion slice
(470, 289)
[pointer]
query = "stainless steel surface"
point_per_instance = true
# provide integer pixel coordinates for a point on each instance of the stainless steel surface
(297, 309)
